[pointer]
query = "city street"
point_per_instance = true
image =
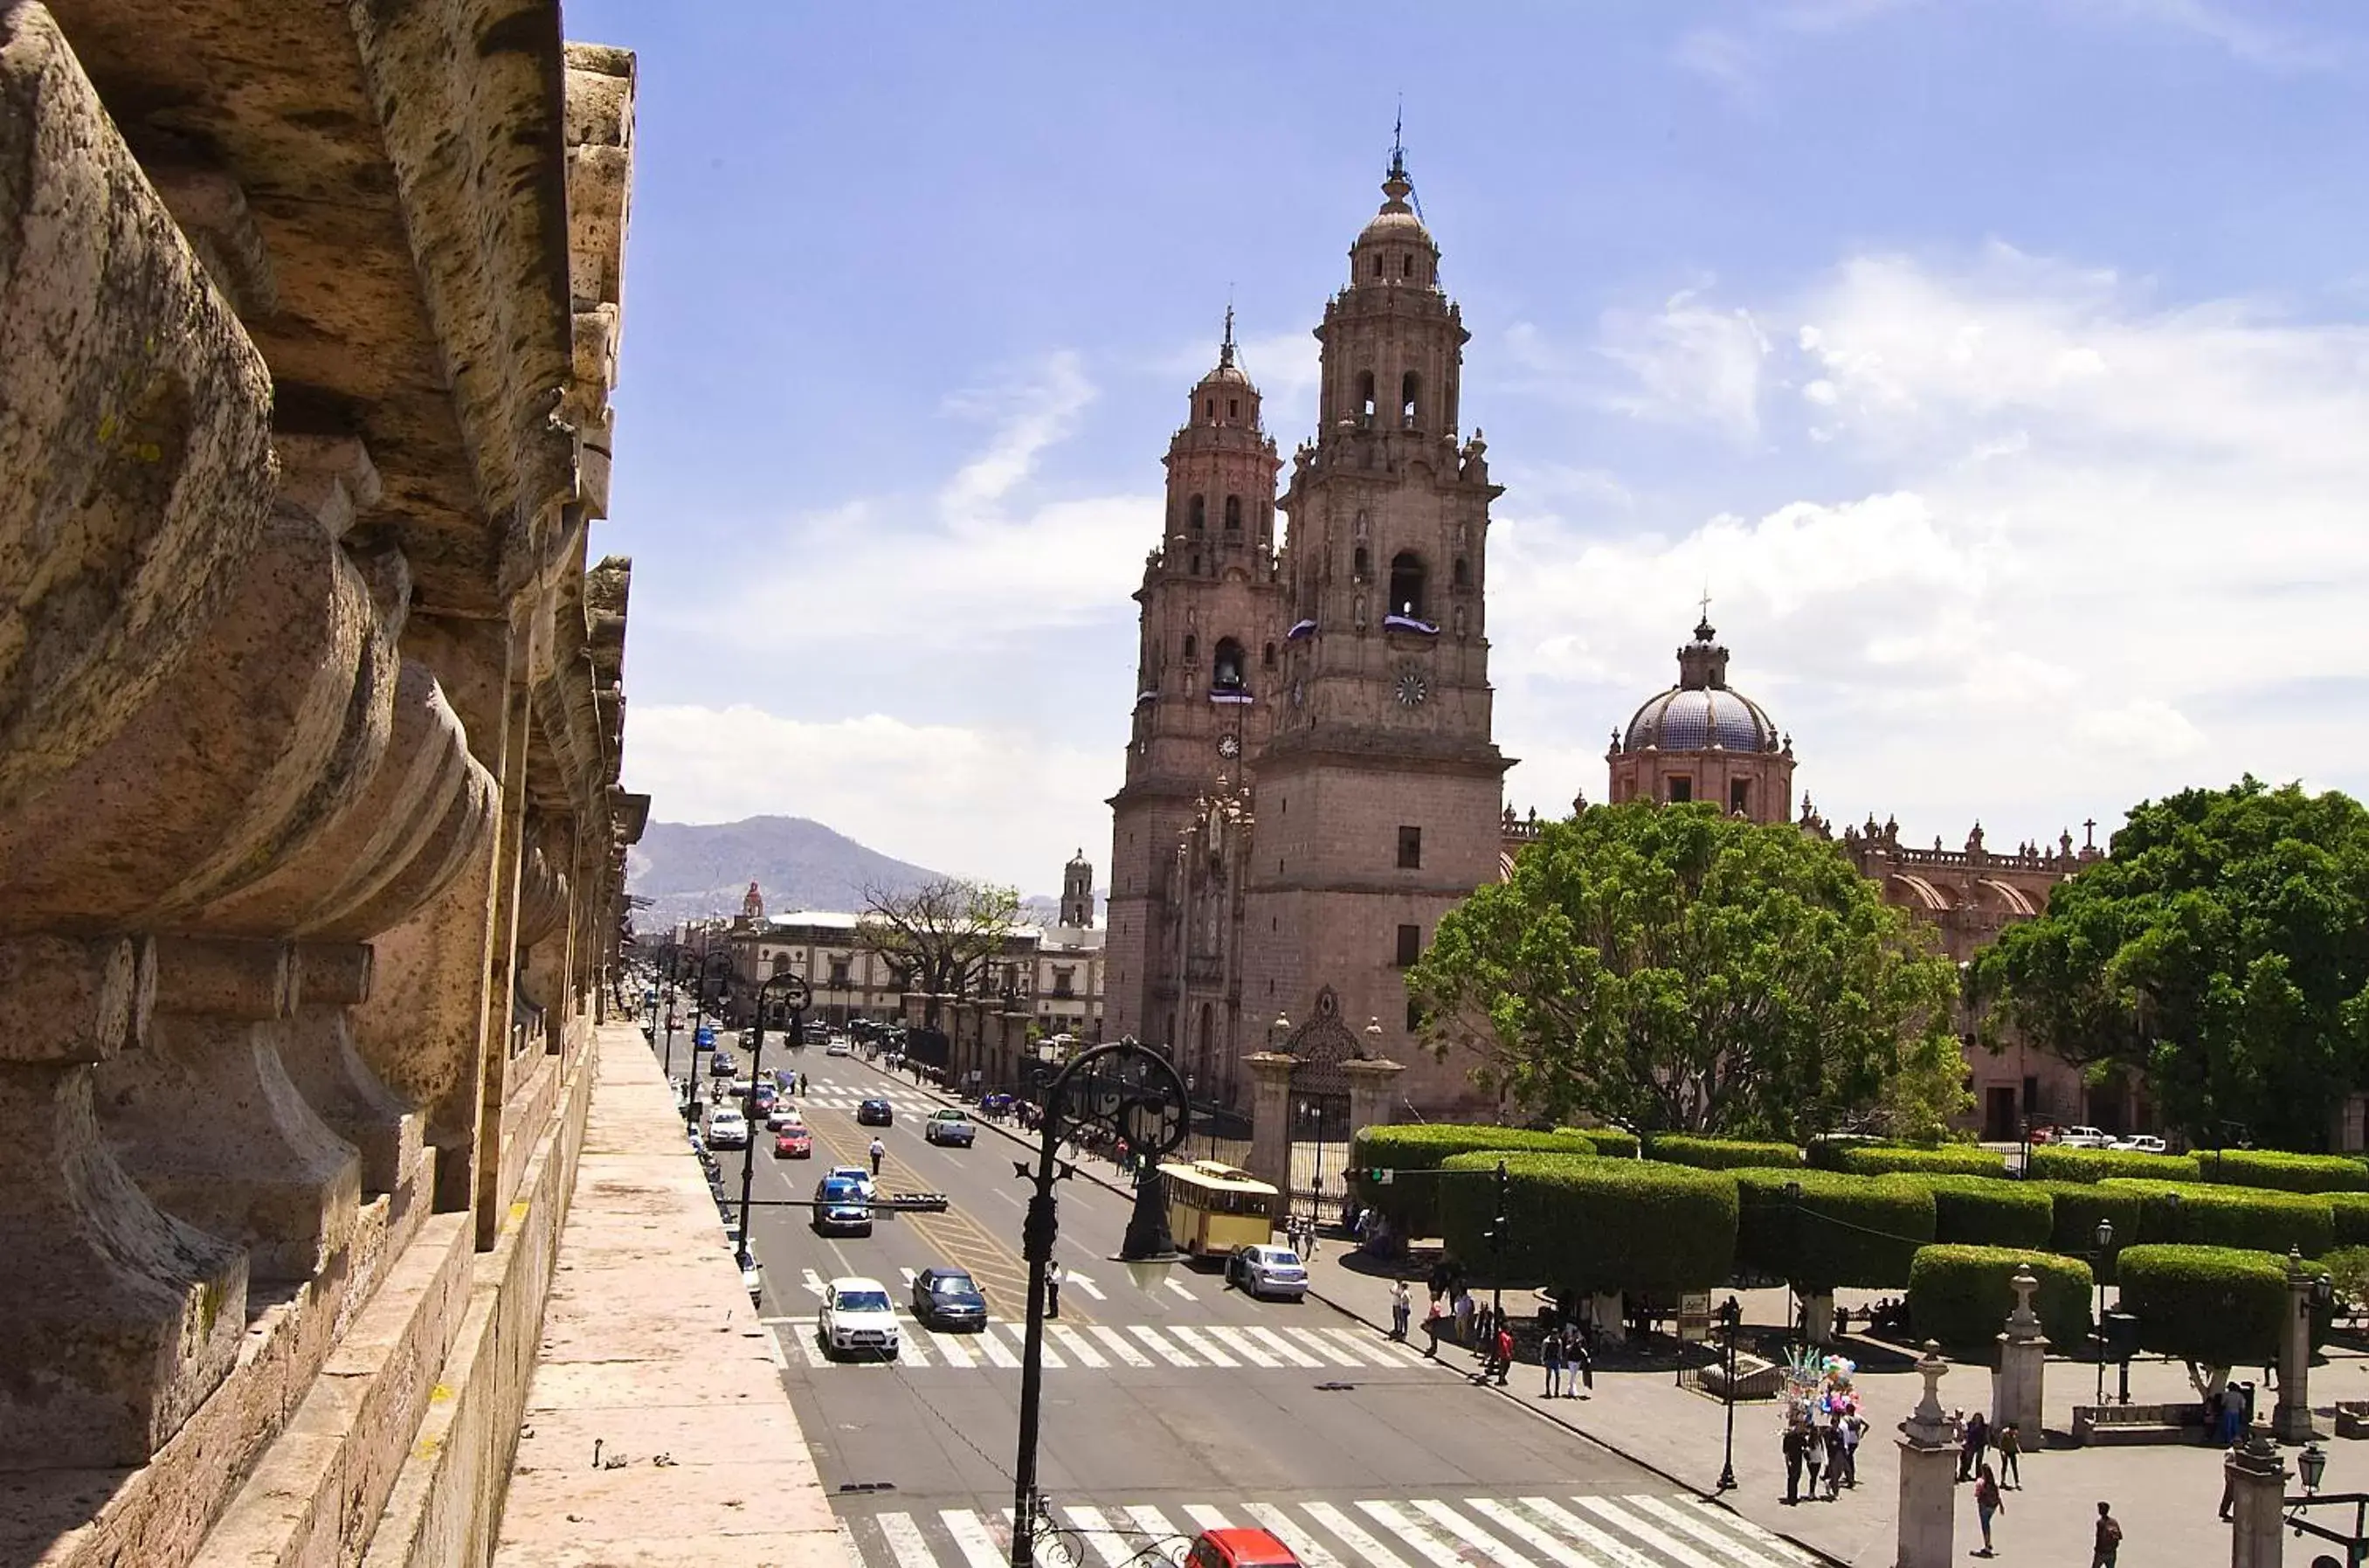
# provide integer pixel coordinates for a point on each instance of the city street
(1168, 1411)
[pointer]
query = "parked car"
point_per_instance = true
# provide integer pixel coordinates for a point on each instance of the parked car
(1237, 1548)
(1267, 1271)
(875, 1112)
(949, 1127)
(2083, 1137)
(2141, 1143)
(856, 1317)
(727, 1128)
(793, 1143)
(948, 1298)
(752, 1278)
(841, 1209)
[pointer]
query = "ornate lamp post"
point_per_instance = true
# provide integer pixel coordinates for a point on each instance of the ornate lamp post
(1731, 1317)
(2104, 1237)
(699, 972)
(795, 996)
(1128, 1090)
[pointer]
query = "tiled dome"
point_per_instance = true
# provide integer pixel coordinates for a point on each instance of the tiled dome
(1700, 713)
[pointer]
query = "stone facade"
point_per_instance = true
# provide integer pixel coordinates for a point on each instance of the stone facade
(310, 842)
(1311, 781)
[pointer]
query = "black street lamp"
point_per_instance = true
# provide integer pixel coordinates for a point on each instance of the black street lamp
(2104, 1237)
(1731, 1316)
(794, 995)
(699, 972)
(1125, 1089)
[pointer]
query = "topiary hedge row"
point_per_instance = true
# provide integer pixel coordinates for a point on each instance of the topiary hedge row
(2349, 1213)
(2218, 1306)
(1887, 1159)
(1961, 1296)
(1584, 1225)
(1410, 1205)
(2096, 1164)
(2281, 1171)
(2248, 1217)
(2076, 1208)
(1611, 1141)
(1981, 1211)
(1839, 1229)
(1722, 1153)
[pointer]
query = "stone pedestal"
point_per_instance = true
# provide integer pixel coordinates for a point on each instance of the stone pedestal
(1373, 1093)
(2022, 1360)
(1270, 1117)
(1928, 1474)
(2256, 1482)
(2291, 1421)
(1819, 1312)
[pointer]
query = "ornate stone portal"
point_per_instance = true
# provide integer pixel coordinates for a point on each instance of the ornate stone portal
(310, 711)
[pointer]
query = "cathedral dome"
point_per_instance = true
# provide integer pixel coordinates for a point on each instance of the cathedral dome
(1701, 713)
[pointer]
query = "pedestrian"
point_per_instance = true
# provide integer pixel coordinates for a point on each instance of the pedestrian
(1795, 1450)
(2109, 1539)
(879, 1152)
(1122, 1156)
(1987, 1502)
(1053, 1289)
(1463, 1316)
(1401, 1305)
(1433, 1317)
(1833, 1437)
(2009, 1445)
(1853, 1428)
(1970, 1452)
(1577, 1358)
(1551, 1358)
(1505, 1353)
(1814, 1456)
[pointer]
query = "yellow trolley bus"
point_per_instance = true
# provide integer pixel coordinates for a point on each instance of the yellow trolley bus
(1214, 1208)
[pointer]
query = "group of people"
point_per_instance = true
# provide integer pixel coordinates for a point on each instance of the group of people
(1831, 1451)
(1977, 1438)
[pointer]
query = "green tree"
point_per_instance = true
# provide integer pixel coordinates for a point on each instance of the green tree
(2221, 949)
(1670, 969)
(943, 938)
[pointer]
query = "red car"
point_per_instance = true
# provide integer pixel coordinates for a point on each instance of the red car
(793, 1143)
(1237, 1548)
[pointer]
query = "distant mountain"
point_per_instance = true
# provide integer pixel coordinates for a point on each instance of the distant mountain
(688, 870)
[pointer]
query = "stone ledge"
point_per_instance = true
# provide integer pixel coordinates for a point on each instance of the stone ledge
(638, 1258)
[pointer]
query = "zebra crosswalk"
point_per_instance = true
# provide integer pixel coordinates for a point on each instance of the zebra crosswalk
(1571, 1530)
(1104, 1347)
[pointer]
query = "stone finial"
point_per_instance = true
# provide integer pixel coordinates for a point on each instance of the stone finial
(2023, 1322)
(1929, 1425)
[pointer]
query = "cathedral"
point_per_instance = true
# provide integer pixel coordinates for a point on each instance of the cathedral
(1311, 781)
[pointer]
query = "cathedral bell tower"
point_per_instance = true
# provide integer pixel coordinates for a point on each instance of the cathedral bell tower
(1207, 669)
(1379, 796)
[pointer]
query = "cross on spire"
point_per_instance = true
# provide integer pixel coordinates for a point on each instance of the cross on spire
(1397, 140)
(1226, 349)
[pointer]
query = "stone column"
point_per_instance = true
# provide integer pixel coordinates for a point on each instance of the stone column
(321, 1061)
(2291, 1421)
(1373, 1092)
(1270, 1117)
(1818, 1316)
(1928, 1474)
(2257, 1482)
(2023, 1354)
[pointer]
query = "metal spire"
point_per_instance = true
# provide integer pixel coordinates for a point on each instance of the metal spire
(1226, 349)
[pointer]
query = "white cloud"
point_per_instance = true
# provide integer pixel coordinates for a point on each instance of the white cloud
(996, 802)
(2244, 38)
(1689, 361)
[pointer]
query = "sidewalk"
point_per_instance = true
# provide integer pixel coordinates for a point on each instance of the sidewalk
(2165, 1497)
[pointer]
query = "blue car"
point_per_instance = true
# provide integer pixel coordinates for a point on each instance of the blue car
(840, 1210)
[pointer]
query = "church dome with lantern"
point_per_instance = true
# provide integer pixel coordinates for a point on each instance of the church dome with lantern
(1702, 712)
(1703, 740)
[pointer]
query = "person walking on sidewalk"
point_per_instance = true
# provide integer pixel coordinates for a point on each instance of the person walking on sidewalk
(1551, 1358)
(1833, 1439)
(1796, 1447)
(1977, 1438)
(1987, 1502)
(1433, 1318)
(2109, 1539)
(1579, 1365)
(2010, 1444)
(1401, 1305)
(1505, 1346)
(1852, 1428)
(1463, 1316)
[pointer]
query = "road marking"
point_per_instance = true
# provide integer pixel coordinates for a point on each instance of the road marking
(904, 1537)
(1052, 1357)
(952, 1349)
(813, 1283)
(1209, 1519)
(1471, 1534)
(1179, 1290)
(1108, 1543)
(1282, 1346)
(1314, 1339)
(1165, 1538)
(1366, 1545)
(1120, 1347)
(910, 1274)
(1150, 1336)
(1087, 1285)
(1284, 1529)
(1669, 1546)
(979, 1547)
(812, 1348)
(1192, 1338)
(910, 1349)
(773, 1349)
(1080, 1349)
(1512, 1523)
(1621, 1553)
(1778, 1546)
(1243, 1345)
(995, 1351)
(1701, 1530)
(1438, 1551)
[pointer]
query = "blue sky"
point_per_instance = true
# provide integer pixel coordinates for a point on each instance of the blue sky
(2000, 367)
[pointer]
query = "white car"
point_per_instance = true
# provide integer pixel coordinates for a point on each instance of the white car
(727, 1128)
(783, 1115)
(856, 1173)
(857, 1317)
(1267, 1271)
(2141, 1143)
(838, 1048)
(2083, 1137)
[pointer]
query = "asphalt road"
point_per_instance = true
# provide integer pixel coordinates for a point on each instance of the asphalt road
(1165, 1412)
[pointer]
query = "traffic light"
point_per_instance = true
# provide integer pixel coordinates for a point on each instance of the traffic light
(1499, 1226)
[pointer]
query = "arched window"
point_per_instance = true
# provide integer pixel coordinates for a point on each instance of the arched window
(1460, 574)
(1267, 660)
(1196, 514)
(1233, 407)
(1378, 267)
(1360, 563)
(1203, 1055)
(1192, 646)
(1194, 568)
(1233, 514)
(1226, 670)
(1364, 397)
(1406, 267)
(1407, 584)
(1410, 390)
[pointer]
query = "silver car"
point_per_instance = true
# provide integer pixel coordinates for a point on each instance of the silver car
(1267, 1271)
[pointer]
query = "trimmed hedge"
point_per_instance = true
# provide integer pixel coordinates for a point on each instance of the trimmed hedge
(2077, 1207)
(1411, 1206)
(2282, 1172)
(1844, 1229)
(1584, 1224)
(2248, 1219)
(1613, 1142)
(1983, 1212)
(2219, 1306)
(1723, 1154)
(2096, 1164)
(2350, 1212)
(1962, 1297)
(1886, 1159)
